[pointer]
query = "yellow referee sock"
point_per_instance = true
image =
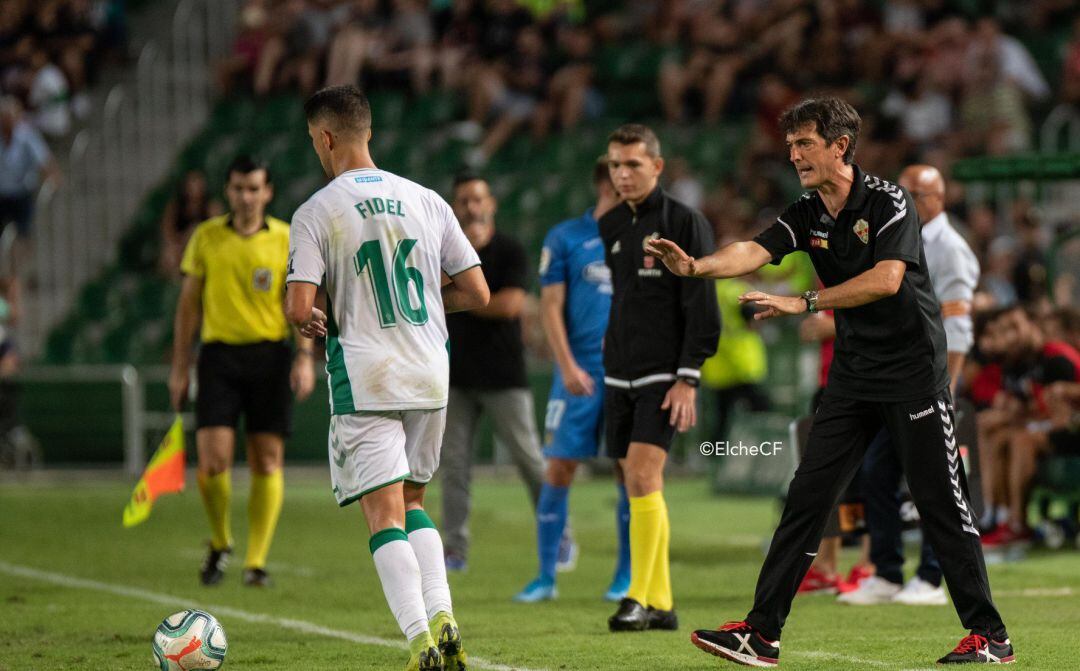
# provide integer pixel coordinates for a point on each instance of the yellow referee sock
(659, 593)
(264, 507)
(216, 493)
(646, 529)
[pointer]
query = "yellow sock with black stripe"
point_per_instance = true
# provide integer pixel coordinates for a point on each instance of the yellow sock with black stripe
(216, 491)
(646, 527)
(264, 508)
(659, 593)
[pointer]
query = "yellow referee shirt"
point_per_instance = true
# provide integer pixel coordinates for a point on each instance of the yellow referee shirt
(243, 280)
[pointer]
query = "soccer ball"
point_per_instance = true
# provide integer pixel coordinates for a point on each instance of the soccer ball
(190, 639)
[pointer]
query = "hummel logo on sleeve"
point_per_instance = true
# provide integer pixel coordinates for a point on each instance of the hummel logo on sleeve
(920, 415)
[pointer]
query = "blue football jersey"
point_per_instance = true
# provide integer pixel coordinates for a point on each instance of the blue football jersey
(573, 254)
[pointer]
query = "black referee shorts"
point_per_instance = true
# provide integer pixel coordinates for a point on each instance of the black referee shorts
(634, 416)
(252, 380)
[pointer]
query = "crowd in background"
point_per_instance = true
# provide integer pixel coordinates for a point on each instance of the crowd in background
(51, 52)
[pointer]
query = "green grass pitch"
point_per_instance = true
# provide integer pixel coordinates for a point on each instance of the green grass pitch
(79, 592)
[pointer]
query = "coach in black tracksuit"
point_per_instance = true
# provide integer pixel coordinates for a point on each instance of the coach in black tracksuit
(889, 370)
(661, 329)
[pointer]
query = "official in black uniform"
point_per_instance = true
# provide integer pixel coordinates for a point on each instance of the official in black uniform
(889, 369)
(661, 329)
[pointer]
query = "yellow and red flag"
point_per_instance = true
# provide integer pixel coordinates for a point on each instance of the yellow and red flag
(163, 475)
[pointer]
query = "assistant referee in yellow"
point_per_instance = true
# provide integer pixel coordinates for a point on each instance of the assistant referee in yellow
(234, 270)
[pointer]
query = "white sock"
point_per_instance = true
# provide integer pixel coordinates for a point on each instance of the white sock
(400, 576)
(428, 547)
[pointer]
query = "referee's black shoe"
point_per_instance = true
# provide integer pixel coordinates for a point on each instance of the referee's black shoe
(663, 620)
(739, 643)
(213, 567)
(631, 616)
(256, 577)
(978, 649)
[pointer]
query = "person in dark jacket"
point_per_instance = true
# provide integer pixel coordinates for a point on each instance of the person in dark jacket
(661, 329)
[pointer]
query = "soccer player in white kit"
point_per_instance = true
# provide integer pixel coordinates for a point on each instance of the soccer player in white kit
(382, 245)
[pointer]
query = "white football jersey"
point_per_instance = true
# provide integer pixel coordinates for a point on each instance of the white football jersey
(379, 243)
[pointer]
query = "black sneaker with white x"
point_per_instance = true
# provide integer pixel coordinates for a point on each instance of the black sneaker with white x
(738, 642)
(977, 649)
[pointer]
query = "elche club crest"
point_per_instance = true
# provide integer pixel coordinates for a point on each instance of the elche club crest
(862, 229)
(649, 261)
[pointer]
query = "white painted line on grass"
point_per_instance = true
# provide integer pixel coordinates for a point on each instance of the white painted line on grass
(258, 618)
(837, 657)
(1037, 592)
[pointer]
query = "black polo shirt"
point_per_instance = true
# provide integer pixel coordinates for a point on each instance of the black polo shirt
(892, 349)
(485, 353)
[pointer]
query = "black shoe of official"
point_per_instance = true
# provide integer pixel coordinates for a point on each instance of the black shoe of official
(663, 620)
(739, 643)
(631, 616)
(256, 577)
(978, 649)
(213, 567)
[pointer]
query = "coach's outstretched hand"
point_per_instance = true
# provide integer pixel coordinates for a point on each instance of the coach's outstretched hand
(676, 260)
(774, 305)
(315, 327)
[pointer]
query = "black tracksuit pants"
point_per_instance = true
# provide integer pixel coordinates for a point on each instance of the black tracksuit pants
(923, 433)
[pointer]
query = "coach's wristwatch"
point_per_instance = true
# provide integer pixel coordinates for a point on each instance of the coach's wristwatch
(811, 300)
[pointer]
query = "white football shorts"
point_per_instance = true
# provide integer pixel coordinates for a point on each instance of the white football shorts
(369, 450)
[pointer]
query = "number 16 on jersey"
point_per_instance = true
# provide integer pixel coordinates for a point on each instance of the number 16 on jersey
(410, 304)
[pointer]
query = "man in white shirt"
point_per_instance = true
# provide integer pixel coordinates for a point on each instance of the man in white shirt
(381, 245)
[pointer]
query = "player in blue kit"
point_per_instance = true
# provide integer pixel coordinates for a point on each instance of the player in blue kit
(575, 300)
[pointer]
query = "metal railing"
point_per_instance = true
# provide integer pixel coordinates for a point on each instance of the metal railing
(113, 163)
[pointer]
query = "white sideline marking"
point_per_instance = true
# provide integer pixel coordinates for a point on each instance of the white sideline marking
(837, 657)
(1038, 592)
(258, 618)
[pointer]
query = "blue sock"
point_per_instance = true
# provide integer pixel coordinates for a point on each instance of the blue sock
(551, 511)
(622, 524)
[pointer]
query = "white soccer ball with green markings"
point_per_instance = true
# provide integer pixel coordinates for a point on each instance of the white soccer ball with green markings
(189, 640)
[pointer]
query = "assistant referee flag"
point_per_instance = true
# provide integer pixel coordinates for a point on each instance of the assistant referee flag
(163, 475)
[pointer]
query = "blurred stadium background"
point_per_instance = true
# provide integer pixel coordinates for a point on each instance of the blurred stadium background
(142, 104)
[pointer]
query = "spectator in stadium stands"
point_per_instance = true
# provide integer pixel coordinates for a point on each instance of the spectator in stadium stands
(190, 206)
(458, 27)
(48, 97)
(1017, 65)
(237, 70)
(1070, 71)
(570, 96)
(713, 60)
(997, 280)
(1029, 274)
(1032, 415)
(487, 369)
(359, 38)
(683, 185)
(408, 49)
(513, 90)
(25, 163)
(298, 36)
(500, 25)
(993, 112)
